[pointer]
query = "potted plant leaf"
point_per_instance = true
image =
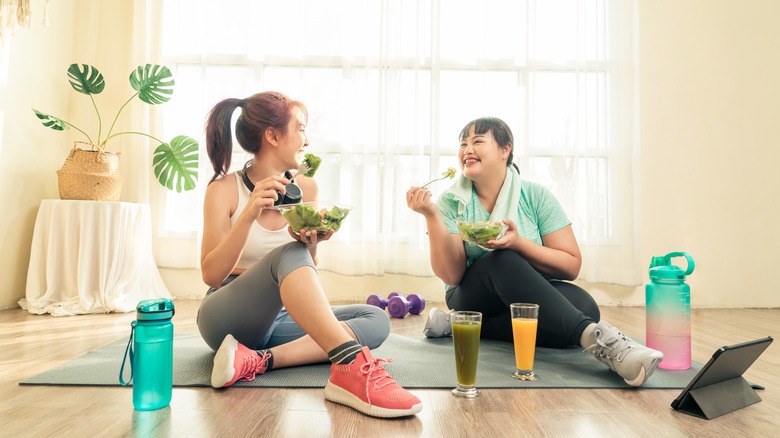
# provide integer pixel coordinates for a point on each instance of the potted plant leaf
(93, 173)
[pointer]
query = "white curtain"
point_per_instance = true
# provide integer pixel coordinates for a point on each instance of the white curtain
(582, 128)
(389, 84)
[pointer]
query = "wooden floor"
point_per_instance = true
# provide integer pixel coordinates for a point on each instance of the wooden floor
(30, 344)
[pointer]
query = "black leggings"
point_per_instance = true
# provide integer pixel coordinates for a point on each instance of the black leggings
(502, 277)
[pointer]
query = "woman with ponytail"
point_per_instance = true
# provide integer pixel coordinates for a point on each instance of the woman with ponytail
(266, 308)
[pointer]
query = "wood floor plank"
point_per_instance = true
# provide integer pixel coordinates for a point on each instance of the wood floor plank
(30, 344)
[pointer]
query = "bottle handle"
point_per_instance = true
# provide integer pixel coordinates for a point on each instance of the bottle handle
(129, 350)
(687, 256)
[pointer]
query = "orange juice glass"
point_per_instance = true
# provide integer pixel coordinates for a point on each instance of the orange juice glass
(525, 317)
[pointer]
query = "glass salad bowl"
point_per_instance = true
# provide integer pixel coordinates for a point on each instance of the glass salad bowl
(480, 232)
(318, 216)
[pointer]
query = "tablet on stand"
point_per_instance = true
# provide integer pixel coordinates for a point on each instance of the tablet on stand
(719, 387)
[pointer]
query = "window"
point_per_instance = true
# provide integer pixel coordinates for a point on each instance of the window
(389, 84)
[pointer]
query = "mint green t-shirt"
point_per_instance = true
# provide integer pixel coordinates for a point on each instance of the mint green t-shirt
(539, 211)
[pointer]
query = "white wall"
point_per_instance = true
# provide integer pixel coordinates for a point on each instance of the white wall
(709, 92)
(710, 111)
(33, 68)
(33, 74)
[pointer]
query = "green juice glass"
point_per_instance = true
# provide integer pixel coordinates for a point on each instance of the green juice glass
(466, 327)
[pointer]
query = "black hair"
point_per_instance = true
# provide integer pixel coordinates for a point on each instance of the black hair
(501, 133)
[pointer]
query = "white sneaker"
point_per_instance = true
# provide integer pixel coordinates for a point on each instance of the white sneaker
(438, 324)
(632, 361)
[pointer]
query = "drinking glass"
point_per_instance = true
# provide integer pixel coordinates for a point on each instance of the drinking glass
(466, 327)
(525, 317)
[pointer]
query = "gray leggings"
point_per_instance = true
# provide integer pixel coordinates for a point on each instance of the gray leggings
(249, 306)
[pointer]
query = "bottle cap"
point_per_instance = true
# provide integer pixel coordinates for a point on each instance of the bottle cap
(659, 261)
(661, 267)
(667, 273)
(154, 309)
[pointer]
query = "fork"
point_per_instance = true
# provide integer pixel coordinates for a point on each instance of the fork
(303, 169)
(448, 174)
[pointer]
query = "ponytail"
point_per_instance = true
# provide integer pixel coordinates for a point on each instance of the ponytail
(219, 138)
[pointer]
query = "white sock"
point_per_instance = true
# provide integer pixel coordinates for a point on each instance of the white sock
(586, 339)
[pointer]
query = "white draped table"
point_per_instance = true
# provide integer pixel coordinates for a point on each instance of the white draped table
(91, 257)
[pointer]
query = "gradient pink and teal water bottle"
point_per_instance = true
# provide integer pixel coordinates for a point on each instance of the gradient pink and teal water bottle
(668, 311)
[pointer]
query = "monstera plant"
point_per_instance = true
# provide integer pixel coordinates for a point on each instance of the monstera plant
(175, 164)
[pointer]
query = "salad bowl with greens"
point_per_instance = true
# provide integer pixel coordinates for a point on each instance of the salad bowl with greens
(480, 232)
(318, 216)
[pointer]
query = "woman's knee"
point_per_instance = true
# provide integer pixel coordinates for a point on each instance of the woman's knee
(380, 327)
(579, 298)
(294, 253)
(504, 259)
(288, 258)
(371, 325)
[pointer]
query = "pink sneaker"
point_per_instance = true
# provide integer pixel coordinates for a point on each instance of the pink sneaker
(366, 387)
(234, 362)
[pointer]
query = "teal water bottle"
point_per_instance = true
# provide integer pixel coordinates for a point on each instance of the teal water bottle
(668, 311)
(150, 349)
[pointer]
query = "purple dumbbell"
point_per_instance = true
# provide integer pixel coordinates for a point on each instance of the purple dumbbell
(380, 301)
(377, 300)
(399, 306)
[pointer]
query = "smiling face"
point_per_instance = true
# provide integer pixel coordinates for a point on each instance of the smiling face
(294, 140)
(481, 155)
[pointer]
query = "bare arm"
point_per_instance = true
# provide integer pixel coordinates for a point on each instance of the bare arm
(559, 255)
(448, 256)
(221, 245)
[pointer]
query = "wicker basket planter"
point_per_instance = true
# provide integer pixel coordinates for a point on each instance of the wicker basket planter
(90, 175)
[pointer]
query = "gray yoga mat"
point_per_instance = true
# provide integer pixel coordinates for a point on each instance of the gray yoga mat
(418, 362)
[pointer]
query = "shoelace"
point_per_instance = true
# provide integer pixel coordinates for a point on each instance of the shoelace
(253, 365)
(375, 372)
(609, 342)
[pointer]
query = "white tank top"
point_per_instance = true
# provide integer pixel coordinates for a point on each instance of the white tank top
(260, 240)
